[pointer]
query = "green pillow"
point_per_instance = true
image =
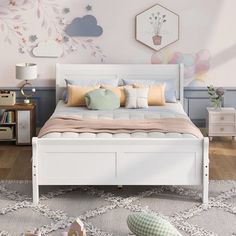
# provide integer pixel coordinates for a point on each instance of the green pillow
(143, 224)
(102, 99)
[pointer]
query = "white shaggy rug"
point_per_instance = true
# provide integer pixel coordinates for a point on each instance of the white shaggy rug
(104, 209)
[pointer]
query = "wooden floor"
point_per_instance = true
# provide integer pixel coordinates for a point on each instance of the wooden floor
(15, 161)
(223, 159)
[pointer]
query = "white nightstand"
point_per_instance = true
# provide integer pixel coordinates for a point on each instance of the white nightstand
(221, 122)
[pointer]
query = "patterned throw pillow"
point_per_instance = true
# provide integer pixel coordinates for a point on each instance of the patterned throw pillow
(143, 224)
(136, 97)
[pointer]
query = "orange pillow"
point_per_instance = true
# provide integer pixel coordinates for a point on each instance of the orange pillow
(76, 95)
(156, 94)
(119, 91)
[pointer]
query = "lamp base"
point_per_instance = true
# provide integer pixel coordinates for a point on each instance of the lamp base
(26, 101)
(27, 95)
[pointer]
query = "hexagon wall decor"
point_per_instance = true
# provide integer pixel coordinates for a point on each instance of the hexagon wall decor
(157, 27)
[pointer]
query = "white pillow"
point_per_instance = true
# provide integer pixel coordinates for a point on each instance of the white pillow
(170, 91)
(136, 97)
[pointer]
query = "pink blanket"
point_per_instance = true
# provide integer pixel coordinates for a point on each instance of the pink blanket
(79, 125)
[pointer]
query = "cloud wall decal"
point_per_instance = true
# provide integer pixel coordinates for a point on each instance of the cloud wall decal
(48, 49)
(85, 26)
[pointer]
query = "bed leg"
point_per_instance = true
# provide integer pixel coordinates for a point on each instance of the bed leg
(35, 193)
(205, 171)
(35, 185)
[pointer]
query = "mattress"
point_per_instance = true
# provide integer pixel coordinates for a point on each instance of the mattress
(170, 110)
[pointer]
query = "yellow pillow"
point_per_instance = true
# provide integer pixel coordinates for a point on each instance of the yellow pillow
(119, 91)
(76, 95)
(156, 94)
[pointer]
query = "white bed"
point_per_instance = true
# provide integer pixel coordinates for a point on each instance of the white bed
(110, 159)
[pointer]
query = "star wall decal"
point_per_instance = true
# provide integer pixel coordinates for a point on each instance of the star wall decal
(89, 8)
(66, 10)
(33, 38)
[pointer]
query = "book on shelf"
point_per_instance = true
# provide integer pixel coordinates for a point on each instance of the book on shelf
(8, 117)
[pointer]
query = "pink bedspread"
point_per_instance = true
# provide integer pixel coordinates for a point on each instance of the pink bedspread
(79, 125)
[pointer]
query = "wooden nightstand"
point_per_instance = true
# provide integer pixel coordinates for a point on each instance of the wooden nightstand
(221, 122)
(18, 123)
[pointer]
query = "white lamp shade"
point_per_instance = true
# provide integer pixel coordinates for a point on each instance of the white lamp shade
(26, 71)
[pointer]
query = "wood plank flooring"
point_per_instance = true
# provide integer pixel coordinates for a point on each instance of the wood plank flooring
(223, 159)
(15, 161)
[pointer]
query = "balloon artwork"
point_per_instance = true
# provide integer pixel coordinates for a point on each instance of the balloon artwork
(196, 65)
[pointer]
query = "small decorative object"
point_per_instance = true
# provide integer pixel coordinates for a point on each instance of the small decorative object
(48, 48)
(216, 96)
(157, 27)
(85, 26)
(77, 228)
(7, 98)
(26, 71)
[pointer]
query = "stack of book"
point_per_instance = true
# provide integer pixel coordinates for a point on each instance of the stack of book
(7, 117)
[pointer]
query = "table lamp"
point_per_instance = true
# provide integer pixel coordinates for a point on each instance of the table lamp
(26, 71)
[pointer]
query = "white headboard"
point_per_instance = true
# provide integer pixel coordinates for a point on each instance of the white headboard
(121, 71)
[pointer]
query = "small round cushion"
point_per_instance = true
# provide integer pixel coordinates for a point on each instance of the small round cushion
(143, 224)
(102, 99)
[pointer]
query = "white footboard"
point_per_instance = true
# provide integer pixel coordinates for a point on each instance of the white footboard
(120, 162)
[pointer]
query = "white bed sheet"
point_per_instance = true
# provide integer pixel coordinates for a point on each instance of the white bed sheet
(170, 110)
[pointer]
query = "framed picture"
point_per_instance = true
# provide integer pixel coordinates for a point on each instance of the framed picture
(157, 27)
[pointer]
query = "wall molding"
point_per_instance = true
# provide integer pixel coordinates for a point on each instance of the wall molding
(196, 100)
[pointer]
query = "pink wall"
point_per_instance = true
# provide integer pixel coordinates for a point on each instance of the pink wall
(206, 27)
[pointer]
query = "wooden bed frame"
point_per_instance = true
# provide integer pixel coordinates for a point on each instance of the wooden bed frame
(136, 161)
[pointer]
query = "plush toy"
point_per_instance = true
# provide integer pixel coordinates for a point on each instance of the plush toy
(77, 228)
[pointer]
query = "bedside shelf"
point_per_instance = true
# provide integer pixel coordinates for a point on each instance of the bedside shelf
(8, 140)
(14, 123)
(23, 128)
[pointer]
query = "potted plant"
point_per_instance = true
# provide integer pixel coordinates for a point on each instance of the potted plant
(157, 20)
(216, 96)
